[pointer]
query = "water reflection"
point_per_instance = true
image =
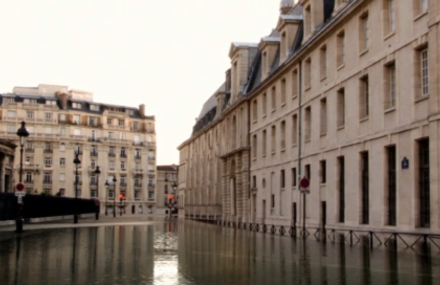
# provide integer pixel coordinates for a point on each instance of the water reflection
(195, 253)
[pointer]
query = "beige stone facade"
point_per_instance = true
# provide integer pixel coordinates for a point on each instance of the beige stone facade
(118, 139)
(7, 158)
(167, 176)
(345, 94)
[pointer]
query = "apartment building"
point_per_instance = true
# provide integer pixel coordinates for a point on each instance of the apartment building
(120, 140)
(343, 93)
(167, 195)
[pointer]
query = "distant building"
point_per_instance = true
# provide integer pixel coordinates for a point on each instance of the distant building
(167, 177)
(120, 140)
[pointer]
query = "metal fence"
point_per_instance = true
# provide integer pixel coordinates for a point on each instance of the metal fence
(37, 206)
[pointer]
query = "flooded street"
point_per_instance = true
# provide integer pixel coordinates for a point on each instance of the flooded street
(186, 252)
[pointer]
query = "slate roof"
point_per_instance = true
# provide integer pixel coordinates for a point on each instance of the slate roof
(168, 167)
(85, 105)
(255, 71)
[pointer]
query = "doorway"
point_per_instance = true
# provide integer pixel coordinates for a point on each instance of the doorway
(264, 212)
(323, 214)
(6, 184)
(294, 217)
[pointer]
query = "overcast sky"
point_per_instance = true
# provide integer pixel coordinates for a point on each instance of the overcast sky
(170, 55)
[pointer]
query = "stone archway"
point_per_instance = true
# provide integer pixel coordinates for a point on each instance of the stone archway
(233, 189)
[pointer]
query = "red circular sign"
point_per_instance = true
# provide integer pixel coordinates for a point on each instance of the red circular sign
(19, 187)
(304, 183)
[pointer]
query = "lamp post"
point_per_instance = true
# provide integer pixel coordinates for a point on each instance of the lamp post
(114, 197)
(106, 196)
(97, 172)
(22, 133)
(76, 161)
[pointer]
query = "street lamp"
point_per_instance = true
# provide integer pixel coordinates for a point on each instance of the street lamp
(22, 133)
(106, 196)
(114, 197)
(76, 161)
(97, 172)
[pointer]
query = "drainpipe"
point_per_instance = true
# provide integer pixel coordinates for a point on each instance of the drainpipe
(300, 142)
(249, 160)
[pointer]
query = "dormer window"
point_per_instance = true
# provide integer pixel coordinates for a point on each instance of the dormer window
(30, 101)
(51, 102)
(76, 105)
(131, 112)
(94, 107)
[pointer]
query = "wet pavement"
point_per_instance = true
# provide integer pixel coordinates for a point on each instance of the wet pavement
(143, 250)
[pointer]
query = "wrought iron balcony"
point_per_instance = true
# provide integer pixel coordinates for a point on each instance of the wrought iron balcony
(48, 151)
(47, 182)
(138, 185)
(92, 139)
(112, 154)
(28, 181)
(151, 186)
(123, 155)
(123, 184)
(138, 156)
(93, 153)
(29, 150)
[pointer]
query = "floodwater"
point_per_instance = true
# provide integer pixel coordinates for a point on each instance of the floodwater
(187, 252)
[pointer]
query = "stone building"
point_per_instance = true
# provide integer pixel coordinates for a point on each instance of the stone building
(7, 157)
(344, 93)
(167, 176)
(118, 139)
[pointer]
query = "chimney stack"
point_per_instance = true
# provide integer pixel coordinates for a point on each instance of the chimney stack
(142, 110)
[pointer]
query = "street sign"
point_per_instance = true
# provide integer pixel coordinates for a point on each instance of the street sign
(20, 199)
(304, 183)
(19, 191)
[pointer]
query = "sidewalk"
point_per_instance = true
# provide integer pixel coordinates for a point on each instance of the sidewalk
(127, 219)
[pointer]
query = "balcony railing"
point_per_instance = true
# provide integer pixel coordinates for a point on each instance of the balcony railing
(29, 150)
(138, 156)
(123, 155)
(28, 181)
(79, 182)
(79, 152)
(92, 139)
(151, 158)
(47, 182)
(112, 154)
(138, 171)
(151, 186)
(93, 153)
(48, 151)
(138, 185)
(123, 184)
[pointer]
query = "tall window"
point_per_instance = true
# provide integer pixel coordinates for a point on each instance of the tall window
(294, 177)
(323, 61)
(283, 91)
(340, 49)
(295, 83)
(391, 181)
(424, 180)
(254, 147)
(255, 110)
(341, 188)
(308, 20)
(274, 98)
(364, 98)
(323, 119)
(389, 16)
(264, 142)
(365, 195)
(341, 108)
(308, 73)
(323, 171)
(294, 129)
(264, 104)
(424, 71)
(307, 172)
(30, 115)
(364, 33)
(390, 86)
(273, 139)
(308, 123)
(282, 179)
(283, 135)
(424, 4)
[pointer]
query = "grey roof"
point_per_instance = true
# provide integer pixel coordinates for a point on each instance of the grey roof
(297, 10)
(85, 105)
(211, 102)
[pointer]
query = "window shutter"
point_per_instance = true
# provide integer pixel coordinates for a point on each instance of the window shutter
(70, 118)
(84, 120)
(98, 121)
